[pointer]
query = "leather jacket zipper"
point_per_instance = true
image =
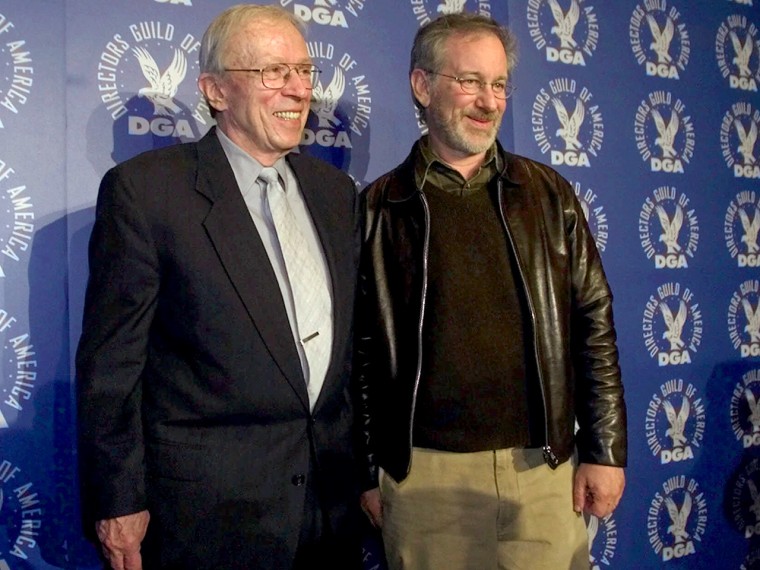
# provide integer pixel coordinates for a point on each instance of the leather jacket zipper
(549, 455)
(425, 250)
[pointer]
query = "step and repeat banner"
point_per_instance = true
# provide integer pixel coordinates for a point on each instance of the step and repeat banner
(650, 108)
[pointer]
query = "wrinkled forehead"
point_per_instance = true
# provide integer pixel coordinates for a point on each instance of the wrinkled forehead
(476, 50)
(265, 38)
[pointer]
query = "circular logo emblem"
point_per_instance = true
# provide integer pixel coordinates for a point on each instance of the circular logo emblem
(22, 512)
(745, 499)
(18, 214)
(659, 40)
(663, 132)
(340, 109)
(595, 215)
(675, 422)
(672, 325)
(677, 518)
(334, 13)
(744, 319)
(567, 31)
(740, 229)
(738, 135)
(426, 10)
(745, 409)
(602, 540)
(668, 228)
(145, 80)
(567, 123)
(738, 53)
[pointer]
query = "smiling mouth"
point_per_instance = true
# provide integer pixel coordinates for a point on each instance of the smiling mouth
(481, 123)
(290, 115)
(482, 119)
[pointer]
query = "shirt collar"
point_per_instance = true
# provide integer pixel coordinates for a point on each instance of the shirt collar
(245, 167)
(445, 176)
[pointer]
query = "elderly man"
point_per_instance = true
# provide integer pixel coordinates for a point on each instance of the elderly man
(485, 332)
(214, 410)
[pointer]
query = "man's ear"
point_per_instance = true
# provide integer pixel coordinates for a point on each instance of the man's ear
(420, 86)
(210, 86)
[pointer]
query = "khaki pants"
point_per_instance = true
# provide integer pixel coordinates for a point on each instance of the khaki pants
(502, 509)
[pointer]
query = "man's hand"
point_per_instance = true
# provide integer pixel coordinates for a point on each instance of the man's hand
(372, 505)
(597, 489)
(121, 538)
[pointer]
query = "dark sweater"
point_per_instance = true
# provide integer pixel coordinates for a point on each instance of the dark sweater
(473, 391)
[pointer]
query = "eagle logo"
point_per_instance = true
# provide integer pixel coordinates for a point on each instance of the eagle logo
(565, 23)
(743, 53)
(163, 86)
(674, 324)
(679, 518)
(746, 141)
(667, 133)
(670, 228)
(750, 227)
(451, 6)
(753, 320)
(754, 410)
(677, 421)
(571, 125)
(755, 507)
(661, 38)
(324, 101)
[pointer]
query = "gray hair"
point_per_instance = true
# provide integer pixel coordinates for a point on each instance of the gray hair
(217, 36)
(428, 49)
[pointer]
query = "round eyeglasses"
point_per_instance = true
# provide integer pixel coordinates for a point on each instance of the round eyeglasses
(276, 75)
(471, 86)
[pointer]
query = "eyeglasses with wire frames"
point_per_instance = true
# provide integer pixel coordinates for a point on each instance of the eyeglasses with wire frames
(276, 75)
(472, 86)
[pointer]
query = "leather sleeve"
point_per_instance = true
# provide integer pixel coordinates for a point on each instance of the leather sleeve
(363, 353)
(600, 407)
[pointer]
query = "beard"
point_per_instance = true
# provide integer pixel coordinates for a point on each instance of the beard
(456, 134)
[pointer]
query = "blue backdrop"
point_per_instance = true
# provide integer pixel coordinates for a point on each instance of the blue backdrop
(649, 107)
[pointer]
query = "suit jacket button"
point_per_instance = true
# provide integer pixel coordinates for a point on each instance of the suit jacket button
(298, 480)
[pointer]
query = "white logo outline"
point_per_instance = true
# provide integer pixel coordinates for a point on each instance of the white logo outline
(743, 319)
(669, 315)
(674, 136)
(744, 409)
(741, 226)
(159, 60)
(660, 57)
(571, 138)
(662, 220)
(737, 51)
(686, 508)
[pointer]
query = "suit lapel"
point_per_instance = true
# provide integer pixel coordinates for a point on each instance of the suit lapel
(242, 254)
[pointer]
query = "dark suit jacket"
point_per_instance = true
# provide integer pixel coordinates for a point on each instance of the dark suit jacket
(191, 398)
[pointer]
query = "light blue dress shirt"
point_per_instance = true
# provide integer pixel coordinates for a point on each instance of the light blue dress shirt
(246, 170)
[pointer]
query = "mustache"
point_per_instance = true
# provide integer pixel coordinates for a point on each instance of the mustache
(485, 116)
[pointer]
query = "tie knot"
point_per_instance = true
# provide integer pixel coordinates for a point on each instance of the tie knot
(269, 176)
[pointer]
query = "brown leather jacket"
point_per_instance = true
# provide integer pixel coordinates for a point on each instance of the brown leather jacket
(569, 304)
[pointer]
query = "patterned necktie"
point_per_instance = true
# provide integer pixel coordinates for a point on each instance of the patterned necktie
(310, 294)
